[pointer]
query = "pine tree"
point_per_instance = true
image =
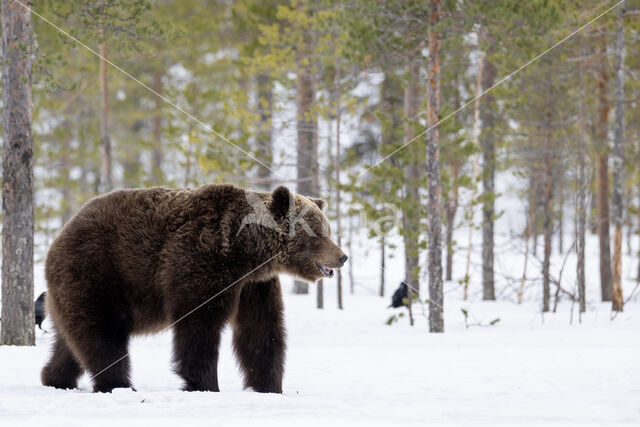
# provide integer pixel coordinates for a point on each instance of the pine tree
(487, 138)
(618, 160)
(17, 176)
(581, 203)
(603, 175)
(436, 301)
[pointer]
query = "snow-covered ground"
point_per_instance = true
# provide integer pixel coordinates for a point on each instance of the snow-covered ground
(349, 367)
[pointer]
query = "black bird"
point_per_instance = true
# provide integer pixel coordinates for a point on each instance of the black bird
(399, 297)
(39, 309)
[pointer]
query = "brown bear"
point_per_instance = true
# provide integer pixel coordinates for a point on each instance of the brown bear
(140, 261)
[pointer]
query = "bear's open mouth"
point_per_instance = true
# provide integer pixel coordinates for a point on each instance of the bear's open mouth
(326, 271)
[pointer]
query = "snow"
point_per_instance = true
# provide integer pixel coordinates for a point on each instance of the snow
(349, 367)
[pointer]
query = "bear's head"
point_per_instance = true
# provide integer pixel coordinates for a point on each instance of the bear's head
(309, 253)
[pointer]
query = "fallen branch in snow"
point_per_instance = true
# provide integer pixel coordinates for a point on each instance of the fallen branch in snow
(465, 312)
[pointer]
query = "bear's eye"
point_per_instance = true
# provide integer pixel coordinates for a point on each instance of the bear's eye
(315, 242)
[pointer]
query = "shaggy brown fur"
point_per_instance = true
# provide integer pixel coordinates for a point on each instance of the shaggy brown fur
(136, 261)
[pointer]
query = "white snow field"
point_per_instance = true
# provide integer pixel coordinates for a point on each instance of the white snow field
(350, 368)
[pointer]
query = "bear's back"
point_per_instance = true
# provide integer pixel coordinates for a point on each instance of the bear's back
(126, 230)
(123, 231)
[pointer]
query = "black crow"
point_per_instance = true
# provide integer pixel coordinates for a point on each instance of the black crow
(399, 297)
(39, 309)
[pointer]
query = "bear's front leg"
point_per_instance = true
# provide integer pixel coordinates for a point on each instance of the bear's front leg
(259, 337)
(196, 342)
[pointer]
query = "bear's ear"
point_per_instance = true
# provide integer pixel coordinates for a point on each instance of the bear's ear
(319, 202)
(280, 199)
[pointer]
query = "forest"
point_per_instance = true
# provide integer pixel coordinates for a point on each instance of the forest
(478, 152)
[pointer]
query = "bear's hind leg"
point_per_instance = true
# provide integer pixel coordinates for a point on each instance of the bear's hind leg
(100, 340)
(62, 370)
(259, 337)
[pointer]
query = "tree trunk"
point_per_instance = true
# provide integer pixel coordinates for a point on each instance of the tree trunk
(630, 225)
(603, 227)
(603, 182)
(18, 319)
(319, 294)
(156, 173)
(474, 175)
(106, 183)
(264, 135)
(548, 194)
(315, 168)
(452, 207)
(618, 163)
(130, 161)
(582, 193)
(451, 200)
(411, 208)
(528, 233)
(350, 249)
(131, 170)
(188, 155)
(67, 195)
(390, 99)
(307, 161)
(592, 213)
(436, 301)
(337, 168)
(560, 216)
(488, 180)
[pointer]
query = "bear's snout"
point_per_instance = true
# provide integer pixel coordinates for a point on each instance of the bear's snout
(336, 258)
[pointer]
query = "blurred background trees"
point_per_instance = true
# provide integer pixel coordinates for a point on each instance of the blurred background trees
(326, 95)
